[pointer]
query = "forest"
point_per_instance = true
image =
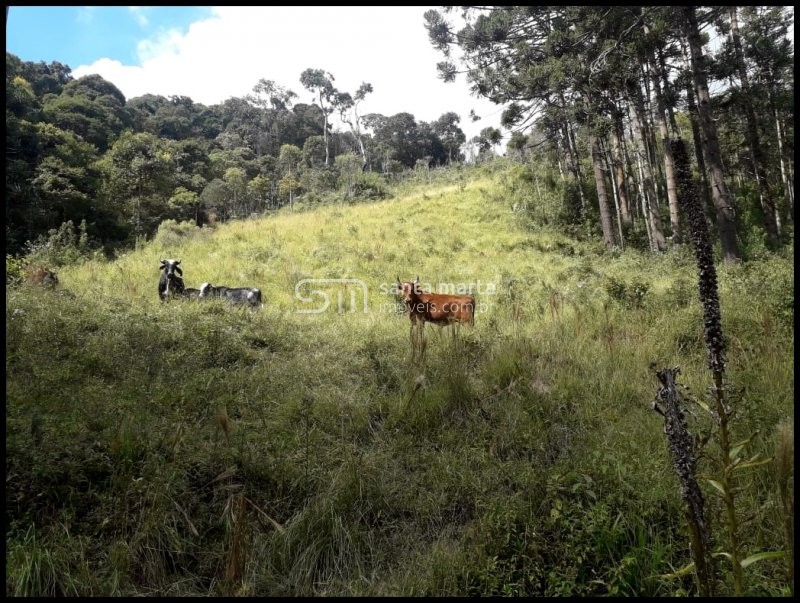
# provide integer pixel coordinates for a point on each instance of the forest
(594, 93)
(77, 150)
(618, 422)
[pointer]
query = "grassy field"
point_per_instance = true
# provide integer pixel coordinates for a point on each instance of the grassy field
(197, 448)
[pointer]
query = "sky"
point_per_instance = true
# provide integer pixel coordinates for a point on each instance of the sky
(213, 53)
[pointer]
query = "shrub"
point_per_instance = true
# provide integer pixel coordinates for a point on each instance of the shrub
(62, 246)
(15, 269)
(681, 292)
(631, 294)
(570, 204)
(369, 185)
(171, 232)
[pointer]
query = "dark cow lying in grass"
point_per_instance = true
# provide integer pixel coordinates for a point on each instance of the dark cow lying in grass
(235, 295)
(191, 293)
(170, 283)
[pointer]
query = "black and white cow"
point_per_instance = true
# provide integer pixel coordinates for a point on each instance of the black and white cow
(191, 293)
(170, 283)
(235, 295)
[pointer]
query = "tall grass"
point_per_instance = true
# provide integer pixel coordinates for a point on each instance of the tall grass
(521, 457)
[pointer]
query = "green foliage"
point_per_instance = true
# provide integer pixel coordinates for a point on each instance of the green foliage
(571, 212)
(636, 236)
(194, 448)
(173, 234)
(51, 565)
(631, 294)
(320, 181)
(369, 186)
(15, 269)
(553, 550)
(62, 246)
(771, 281)
(91, 107)
(680, 293)
(185, 202)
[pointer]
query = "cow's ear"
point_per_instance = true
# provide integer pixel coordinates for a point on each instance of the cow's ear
(179, 271)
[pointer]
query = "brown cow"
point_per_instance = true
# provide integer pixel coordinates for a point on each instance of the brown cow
(437, 308)
(42, 276)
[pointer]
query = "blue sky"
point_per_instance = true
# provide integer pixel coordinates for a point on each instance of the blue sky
(77, 36)
(213, 53)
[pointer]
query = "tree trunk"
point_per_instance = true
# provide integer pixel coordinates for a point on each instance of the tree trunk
(325, 129)
(757, 151)
(720, 195)
(559, 153)
(633, 186)
(786, 178)
(697, 134)
(614, 189)
(643, 199)
(602, 194)
(668, 93)
(575, 166)
(619, 172)
(644, 139)
(650, 206)
(669, 164)
(646, 112)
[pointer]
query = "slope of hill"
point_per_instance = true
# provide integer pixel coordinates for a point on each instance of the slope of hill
(197, 448)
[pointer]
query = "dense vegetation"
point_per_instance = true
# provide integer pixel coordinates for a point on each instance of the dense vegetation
(605, 83)
(597, 93)
(77, 150)
(192, 447)
(152, 448)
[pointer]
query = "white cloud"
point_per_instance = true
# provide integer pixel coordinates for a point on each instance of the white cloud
(165, 43)
(226, 54)
(85, 15)
(138, 15)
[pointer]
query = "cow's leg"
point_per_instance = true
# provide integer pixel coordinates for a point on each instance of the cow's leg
(412, 338)
(454, 331)
(422, 343)
(418, 343)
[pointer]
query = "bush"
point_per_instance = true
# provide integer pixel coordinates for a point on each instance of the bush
(772, 280)
(631, 294)
(570, 204)
(171, 233)
(15, 270)
(681, 292)
(636, 237)
(369, 185)
(62, 246)
(320, 180)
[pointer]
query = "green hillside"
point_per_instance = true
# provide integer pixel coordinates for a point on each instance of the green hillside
(197, 448)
